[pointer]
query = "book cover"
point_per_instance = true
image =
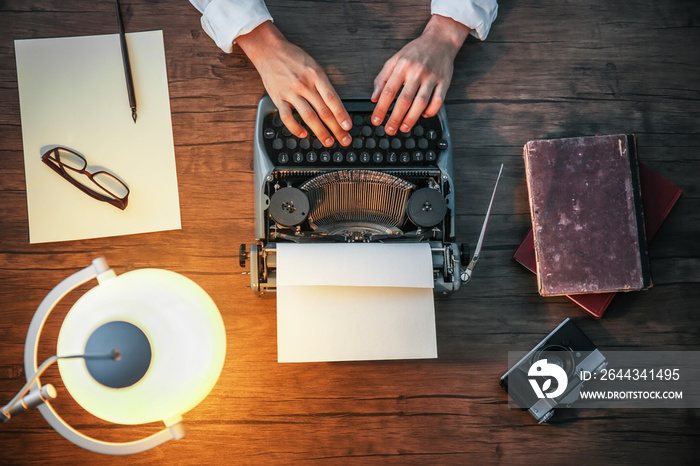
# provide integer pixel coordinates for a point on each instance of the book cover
(587, 215)
(658, 195)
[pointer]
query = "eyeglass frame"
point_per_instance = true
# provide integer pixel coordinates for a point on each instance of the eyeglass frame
(56, 165)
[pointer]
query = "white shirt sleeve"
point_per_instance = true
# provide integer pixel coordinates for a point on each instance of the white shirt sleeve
(475, 14)
(224, 20)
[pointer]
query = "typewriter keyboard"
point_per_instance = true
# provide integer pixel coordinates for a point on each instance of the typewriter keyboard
(370, 147)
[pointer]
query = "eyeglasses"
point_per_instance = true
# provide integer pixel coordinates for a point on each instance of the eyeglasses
(100, 185)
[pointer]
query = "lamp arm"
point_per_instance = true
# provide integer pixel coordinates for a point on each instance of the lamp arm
(100, 270)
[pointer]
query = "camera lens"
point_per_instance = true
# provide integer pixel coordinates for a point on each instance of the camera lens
(559, 355)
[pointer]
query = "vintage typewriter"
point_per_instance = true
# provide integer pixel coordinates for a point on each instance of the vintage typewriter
(381, 188)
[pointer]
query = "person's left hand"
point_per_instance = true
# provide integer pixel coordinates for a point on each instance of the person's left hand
(422, 72)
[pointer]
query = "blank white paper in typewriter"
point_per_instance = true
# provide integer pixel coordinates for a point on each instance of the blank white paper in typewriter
(355, 301)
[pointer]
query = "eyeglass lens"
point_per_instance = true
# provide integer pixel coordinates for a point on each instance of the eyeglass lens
(110, 185)
(101, 182)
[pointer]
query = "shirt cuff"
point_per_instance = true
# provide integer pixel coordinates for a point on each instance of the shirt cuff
(477, 15)
(224, 20)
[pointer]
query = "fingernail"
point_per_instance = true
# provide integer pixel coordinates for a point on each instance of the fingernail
(404, 128)
(303, 134)
(389, 130)
(347, 140)
(376, 121)
(329, 142)
(347, 126)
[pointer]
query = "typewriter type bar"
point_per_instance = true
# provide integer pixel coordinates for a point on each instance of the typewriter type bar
(378, 189)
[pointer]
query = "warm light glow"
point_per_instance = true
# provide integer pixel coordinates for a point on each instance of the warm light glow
(187, 338)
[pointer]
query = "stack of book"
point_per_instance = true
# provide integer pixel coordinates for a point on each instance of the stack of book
(593, 207)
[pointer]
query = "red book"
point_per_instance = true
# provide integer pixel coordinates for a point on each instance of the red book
(658, 196)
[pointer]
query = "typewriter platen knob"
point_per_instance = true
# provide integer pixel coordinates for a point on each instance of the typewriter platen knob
(464, 257)
(242, 256)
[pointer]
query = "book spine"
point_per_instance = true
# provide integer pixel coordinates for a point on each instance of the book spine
(528, 181)
(639, 211)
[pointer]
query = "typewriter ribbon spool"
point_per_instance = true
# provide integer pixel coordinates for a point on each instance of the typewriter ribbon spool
(426, 207)
(289, 206)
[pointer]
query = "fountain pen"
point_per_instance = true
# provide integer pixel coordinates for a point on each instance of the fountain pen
(127, 65)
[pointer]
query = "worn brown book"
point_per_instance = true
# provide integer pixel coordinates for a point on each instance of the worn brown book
(659, 196)
(587, 215)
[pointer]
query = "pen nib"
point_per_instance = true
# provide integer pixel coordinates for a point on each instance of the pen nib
(133, 114)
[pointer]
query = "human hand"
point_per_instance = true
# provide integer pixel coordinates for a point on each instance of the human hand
(295, 81)
(424, 69)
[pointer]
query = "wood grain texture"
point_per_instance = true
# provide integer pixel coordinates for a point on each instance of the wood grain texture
(576, 68)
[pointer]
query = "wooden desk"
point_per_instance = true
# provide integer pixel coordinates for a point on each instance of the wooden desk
(575, 68)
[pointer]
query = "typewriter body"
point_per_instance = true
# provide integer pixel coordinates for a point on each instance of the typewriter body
(381, 188)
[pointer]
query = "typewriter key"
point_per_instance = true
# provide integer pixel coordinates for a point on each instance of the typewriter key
(289, 207)
(426, 207)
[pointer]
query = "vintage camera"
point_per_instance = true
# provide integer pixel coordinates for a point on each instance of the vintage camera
(550, 374)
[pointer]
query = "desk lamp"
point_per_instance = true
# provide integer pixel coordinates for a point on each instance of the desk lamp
(144, 346)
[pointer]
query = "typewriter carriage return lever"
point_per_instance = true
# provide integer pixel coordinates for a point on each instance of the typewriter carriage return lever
(379, 189)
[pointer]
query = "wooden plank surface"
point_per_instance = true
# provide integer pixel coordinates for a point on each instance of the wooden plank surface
(546, 70)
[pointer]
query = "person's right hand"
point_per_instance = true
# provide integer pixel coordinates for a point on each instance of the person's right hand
(295, 81)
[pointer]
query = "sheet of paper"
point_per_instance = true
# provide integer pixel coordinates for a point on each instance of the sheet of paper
(72, 93)
(350, 301)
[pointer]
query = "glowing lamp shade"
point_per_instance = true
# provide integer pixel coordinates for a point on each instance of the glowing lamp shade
(187, 344)
(168, 344)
